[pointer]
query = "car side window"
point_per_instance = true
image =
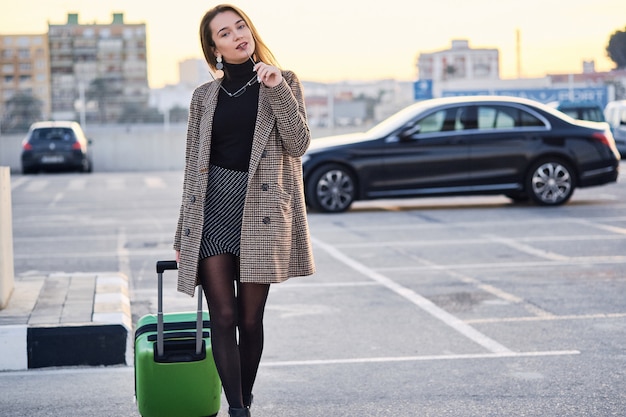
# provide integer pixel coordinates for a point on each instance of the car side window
(528, 120)
(503, 117)
(468, 117)
(433, 122)
(444, 120)
(493, 117)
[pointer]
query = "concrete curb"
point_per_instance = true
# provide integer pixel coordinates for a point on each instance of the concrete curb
(66, 320)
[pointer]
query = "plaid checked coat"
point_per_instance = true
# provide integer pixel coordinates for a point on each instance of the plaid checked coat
(275, 242)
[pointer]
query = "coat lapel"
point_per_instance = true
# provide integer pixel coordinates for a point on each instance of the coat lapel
(209, 103)
(265, 121)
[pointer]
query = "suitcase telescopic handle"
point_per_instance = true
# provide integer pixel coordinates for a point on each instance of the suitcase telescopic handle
(165, 266)
(162, 266)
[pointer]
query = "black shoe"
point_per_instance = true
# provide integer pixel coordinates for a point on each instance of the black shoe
(238, 412)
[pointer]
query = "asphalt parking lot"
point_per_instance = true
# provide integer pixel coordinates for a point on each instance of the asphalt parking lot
(433, 307)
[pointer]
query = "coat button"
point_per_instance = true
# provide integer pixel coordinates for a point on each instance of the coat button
(187, 232)
(265, 187)
(264, 154)
(192, 199)
(266, 220)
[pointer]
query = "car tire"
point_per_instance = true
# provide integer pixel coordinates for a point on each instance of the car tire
(550, 182)
(331, 188)
(87, 166)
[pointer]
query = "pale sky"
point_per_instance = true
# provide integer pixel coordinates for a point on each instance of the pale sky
(336, 40)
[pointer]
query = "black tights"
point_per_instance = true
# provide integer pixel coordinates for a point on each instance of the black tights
(230, 311)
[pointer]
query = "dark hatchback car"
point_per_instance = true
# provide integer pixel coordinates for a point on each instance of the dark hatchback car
(55, 146)
(462, 146)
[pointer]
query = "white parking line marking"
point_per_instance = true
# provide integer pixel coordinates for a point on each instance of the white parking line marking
(548, 318)
(36, 186)
(58, 197)
(17, 183)
(579, 260)
(465, 242)
(321, 362)
(421, 358)
(416, 299)
(464, 224)
(527, 249)
(115, 183)
(77, 184)
(612, 229)
(490, 289)
(154, 182)
(123, 263)
(288, 285)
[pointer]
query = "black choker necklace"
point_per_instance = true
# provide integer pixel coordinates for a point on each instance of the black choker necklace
(242, 90)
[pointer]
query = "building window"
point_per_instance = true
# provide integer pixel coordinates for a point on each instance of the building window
(8, 69)
(23, 53)
(7, 53)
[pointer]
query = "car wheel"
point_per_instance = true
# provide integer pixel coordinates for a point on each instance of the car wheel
(331, 189)
(550, 182)
(87, 166)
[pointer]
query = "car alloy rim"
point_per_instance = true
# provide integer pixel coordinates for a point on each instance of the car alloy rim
(334, 190)
(552, 182)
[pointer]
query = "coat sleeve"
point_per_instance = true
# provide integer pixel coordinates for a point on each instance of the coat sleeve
(193, 131)
(287, 101)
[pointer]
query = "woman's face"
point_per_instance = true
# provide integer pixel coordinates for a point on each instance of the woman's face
(232, 37)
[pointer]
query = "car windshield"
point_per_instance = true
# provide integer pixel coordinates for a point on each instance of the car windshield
(397, 120)
(52, 133)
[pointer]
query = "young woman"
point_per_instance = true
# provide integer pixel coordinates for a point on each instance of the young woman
(242, 223)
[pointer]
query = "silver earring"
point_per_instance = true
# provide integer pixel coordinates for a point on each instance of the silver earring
(219, 64)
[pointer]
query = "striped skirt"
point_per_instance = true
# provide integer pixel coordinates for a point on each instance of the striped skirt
(223, 211)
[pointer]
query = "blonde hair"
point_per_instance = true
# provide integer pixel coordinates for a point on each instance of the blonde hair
(261, 51)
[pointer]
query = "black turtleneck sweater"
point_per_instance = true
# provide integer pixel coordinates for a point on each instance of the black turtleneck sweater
(235, 118)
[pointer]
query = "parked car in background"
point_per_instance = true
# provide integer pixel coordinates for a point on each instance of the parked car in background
(59, 145)
(581, 110)
(462, 146)
(615, 114)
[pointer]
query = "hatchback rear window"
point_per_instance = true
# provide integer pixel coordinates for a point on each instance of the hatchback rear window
(52, 133)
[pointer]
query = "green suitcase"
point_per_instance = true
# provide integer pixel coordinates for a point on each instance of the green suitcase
(175, 375)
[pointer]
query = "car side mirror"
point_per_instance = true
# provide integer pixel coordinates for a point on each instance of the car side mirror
(410, 131)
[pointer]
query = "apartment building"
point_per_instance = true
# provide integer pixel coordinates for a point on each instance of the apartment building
(459, 62)
(24, 63)
(98, 71)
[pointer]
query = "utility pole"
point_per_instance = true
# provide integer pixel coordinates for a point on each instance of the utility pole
(518, 53)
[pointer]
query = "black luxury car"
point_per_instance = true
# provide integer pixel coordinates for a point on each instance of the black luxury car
(462, 146)
(54, 146)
